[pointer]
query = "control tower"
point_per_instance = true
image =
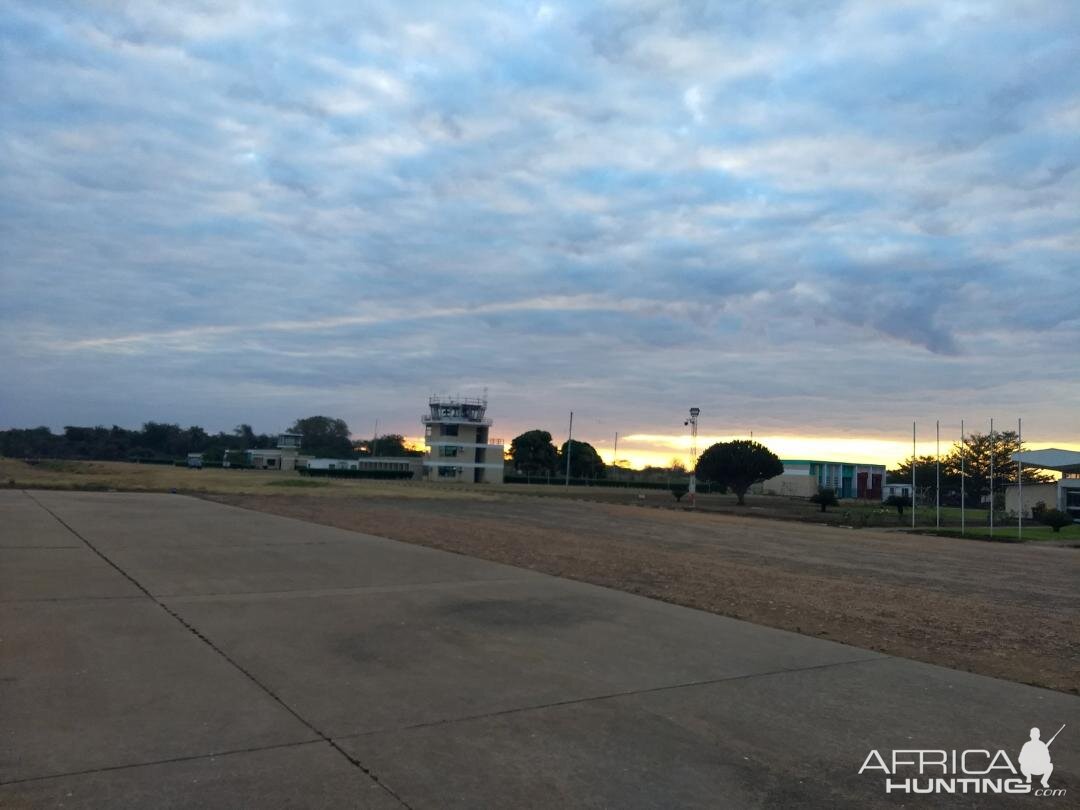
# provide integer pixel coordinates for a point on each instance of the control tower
(456, 432)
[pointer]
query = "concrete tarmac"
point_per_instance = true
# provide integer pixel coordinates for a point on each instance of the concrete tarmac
(162, 651)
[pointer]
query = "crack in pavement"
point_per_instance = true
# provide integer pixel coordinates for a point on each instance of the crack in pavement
(170, 760)
(315, 593)
(613, 696)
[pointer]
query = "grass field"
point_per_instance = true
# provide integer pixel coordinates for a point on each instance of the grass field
(1031, 532)
(103, 476)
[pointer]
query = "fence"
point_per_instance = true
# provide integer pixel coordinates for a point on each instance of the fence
(389, 475)
(703, 487)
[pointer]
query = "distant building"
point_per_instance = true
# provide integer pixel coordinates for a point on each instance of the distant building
(456, 432)
(409, 464)
(802, 478)
(1063, 494)
(896, 491)
(283, 457)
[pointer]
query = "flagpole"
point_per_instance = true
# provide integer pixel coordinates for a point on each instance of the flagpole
(1020, 478)
(913, 475)
(963, 492)
(569, 439)
(937, 467)
(991, 478)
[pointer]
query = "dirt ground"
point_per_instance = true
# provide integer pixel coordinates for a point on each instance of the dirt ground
(1008, 611)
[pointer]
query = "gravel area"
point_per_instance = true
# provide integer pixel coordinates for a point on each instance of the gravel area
(1008, 611)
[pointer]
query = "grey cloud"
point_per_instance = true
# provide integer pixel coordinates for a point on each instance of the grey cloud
(405, 177)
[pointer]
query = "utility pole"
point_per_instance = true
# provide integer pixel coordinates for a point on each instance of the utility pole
(569, 439)
(374, 437)
(913, 475)
(615, 453)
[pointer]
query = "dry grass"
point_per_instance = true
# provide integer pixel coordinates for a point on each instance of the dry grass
(104, 476)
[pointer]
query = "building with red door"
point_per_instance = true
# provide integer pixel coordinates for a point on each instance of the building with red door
(802, 478)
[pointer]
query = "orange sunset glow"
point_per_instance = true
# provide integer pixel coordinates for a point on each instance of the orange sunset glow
(639, 450)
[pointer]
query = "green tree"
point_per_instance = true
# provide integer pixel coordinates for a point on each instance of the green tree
(245, 435)
(737, 465)
(824, 497)
(324, 436)
(392, 444)
(533, 453)
(197, 439)
(585, 462)
(163, 439)
(678, 490)
(925, 473)
(39, 442)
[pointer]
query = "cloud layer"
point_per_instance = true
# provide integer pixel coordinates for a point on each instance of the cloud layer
(823, 218)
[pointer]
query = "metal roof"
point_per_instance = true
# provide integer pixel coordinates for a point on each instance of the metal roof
(834, 463)
(1053, 458)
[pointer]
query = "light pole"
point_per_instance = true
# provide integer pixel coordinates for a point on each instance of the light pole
(692, 422)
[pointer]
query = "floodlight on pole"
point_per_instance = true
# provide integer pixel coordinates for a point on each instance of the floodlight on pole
(692, 422)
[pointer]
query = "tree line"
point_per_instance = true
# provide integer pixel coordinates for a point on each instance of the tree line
(738, 465)
(735, 465)
(533, 453)
(322, 436)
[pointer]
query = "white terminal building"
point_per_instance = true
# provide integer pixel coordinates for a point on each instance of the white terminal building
(460, 448)
(1063, 494)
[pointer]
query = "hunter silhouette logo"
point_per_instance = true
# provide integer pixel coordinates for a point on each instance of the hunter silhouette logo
(971, 770)
(1035, 757)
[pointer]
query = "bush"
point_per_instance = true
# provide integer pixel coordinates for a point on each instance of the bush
(1056, 519)
(899, 501)
(825, 497)
(678, 490)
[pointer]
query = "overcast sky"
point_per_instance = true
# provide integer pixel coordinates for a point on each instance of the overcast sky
(817, 220)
